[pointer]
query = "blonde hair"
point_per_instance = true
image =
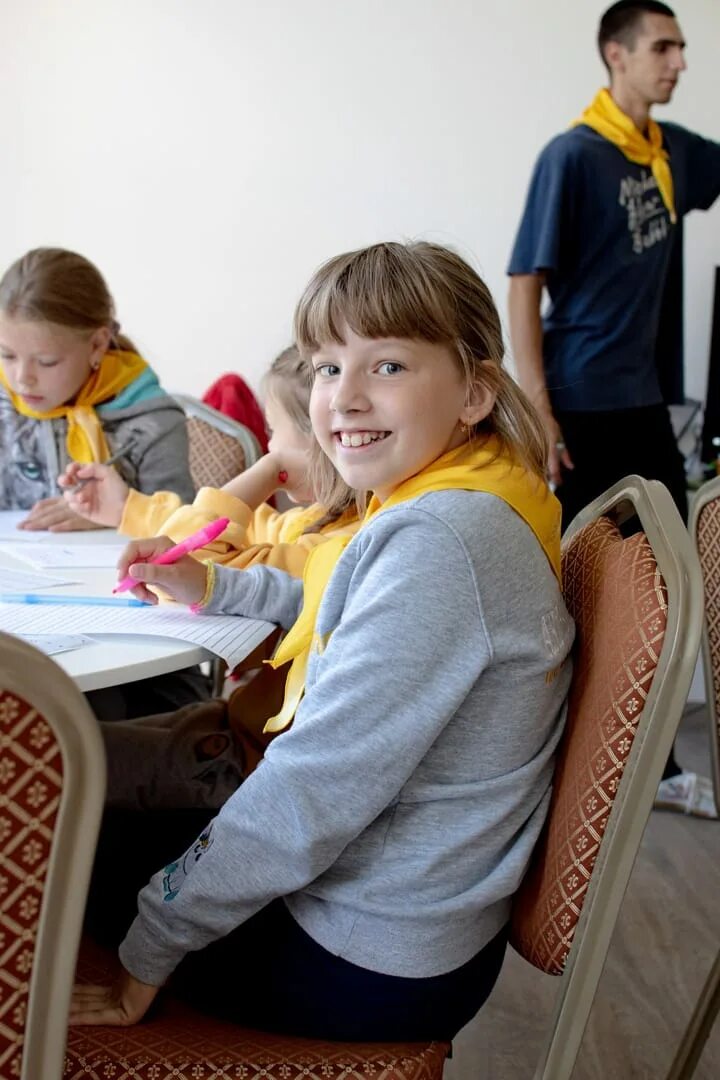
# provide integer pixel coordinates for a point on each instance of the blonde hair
(421, 291)
(61, 287)
(289, 381)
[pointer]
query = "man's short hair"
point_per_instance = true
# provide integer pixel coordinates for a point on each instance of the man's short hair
(621, 22)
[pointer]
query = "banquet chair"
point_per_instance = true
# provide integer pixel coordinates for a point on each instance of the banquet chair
(52, 785)
(705, 534)
(220, 448)
(637, 605)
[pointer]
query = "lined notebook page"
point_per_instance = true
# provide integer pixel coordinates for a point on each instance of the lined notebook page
(229, 636)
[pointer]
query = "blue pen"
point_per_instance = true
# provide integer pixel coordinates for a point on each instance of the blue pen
(68, 598)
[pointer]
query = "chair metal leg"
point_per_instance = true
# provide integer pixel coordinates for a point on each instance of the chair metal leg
(698, 1029)
(218, 670)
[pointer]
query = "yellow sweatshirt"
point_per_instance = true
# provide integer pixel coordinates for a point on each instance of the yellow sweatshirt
(253, 537)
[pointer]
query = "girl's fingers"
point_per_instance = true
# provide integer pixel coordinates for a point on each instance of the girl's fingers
(52, 512)
(86, 993)
(109, 1014)
(141, 551)
(141, 592)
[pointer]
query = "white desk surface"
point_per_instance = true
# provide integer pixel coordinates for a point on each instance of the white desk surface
(115, 658)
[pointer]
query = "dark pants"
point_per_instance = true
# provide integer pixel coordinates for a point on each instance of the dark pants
(270, 974)
(158, 694)
(607, 446)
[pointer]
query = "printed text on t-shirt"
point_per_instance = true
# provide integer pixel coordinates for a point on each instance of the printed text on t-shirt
(648, 220)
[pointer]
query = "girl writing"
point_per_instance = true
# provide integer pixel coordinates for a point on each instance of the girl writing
(360, 879)
(73, 388)
(198, 755)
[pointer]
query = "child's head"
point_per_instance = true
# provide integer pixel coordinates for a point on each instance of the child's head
(286, 389)
(407, 349)
(57, 321)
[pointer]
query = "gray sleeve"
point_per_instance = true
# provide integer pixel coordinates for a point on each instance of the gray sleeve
(159, 453)
(261, 592)
(392, 675)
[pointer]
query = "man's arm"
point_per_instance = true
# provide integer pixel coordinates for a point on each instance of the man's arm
(526, 339)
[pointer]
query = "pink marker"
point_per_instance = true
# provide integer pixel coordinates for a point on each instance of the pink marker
(197, 540)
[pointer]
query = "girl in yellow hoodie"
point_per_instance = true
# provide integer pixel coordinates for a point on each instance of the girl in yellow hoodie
(257, 533)
(197, 756)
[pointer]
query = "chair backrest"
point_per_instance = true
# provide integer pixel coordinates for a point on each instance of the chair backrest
(637, 605)
(52, 786)
(705, 533)
(220, 448)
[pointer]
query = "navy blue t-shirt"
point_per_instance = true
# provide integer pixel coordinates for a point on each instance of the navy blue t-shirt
(596, 225)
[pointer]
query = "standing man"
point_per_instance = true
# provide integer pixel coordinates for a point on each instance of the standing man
(597, 233)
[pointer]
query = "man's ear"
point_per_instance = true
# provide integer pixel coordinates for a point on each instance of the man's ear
(481, 402)
(615, 54)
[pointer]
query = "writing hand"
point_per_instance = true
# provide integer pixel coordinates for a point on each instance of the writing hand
(120, 1005)
(102, 499)
(184, 580)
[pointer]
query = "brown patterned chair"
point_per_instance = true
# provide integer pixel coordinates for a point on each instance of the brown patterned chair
(637, 605)
(220, 448)
(705, 533)
(52, 786)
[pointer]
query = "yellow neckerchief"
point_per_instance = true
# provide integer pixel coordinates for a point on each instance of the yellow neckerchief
(471, 469)
(307, 517)
(85, 438)
(604, 116)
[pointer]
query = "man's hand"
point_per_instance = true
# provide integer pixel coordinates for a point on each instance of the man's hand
(54, 515)
(101, 498)
(120, 1005)
(558, 455)
(184, 580)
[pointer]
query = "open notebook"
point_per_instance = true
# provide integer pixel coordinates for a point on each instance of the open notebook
(228, 636)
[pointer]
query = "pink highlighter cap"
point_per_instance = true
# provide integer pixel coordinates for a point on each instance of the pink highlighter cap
(185, 547)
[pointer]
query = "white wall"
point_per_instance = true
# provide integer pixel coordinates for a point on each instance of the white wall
(208, 154)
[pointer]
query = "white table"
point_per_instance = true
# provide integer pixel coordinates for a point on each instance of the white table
(131, 657)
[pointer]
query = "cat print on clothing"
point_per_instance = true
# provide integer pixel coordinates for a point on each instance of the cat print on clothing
(24, 474)
(176, 872)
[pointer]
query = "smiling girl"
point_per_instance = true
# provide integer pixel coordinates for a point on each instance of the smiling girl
(73, 388)
(358, 884)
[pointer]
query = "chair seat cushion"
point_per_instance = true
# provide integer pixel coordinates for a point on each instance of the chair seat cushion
(178, 1043)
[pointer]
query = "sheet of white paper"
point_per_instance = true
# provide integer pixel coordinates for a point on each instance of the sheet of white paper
(66, 556)
(229, 636)
(29, 580)
(56, 643)
(9, 521)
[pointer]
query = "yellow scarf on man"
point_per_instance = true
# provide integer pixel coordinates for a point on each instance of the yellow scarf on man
(604, 116)
(85, 438)
(470, 469)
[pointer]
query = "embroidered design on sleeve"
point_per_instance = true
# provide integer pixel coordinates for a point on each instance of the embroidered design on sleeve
(176, 872)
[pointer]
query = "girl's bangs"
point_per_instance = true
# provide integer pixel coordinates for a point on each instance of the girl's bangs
(376, 296)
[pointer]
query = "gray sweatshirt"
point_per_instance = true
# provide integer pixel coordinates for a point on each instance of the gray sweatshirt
(398, 813)
(33, 452)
